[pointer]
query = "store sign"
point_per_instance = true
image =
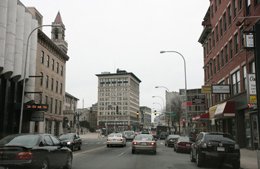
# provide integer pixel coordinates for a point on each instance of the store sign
(251, 84)
(36, 107)
(206, 89)
(37, 116)
(220, 89)
(249, 40)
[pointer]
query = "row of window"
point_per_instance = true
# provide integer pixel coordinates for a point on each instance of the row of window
(49, 83)
(45, 60)
(55, 105)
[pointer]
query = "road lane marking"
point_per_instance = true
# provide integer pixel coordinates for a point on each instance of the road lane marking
(87, 151)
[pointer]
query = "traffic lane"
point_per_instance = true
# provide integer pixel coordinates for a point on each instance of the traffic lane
(122, 158)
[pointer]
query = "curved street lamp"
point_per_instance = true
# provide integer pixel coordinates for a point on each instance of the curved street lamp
(163, 87)
(185, 76)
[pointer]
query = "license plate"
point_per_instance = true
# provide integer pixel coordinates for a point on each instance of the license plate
(220, 148)
(143, 144)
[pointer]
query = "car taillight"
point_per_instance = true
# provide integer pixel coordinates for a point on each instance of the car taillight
(134, 143)
(204, 145)
(24, 156)
(153, 143)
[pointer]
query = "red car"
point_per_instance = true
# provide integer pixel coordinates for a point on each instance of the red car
(183, 144)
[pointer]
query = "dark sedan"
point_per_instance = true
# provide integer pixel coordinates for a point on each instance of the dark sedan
(72, 140)
(183, 144)
(170, 140)
(30, 151)
(215, 147)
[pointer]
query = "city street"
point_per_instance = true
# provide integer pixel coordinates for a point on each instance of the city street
(96, 155)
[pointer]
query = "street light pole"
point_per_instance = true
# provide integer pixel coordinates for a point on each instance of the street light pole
(185, 76)
(24, 74)
(163, 87)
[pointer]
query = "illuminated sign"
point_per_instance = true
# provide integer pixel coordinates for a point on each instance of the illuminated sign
(36, 107)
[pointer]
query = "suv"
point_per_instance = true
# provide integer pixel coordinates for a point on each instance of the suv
(215, 146)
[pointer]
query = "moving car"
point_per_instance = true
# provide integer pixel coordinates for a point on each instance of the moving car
(163, 135)
(115, 139)
(171, 139)
(129, 135)
(215, 146)
(72, 140)
(183, 144)
(144, 142)
(39, 151)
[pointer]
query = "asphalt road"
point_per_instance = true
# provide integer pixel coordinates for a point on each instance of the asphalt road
(95, 155)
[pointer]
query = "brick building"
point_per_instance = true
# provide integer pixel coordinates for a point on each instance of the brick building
(228, 66)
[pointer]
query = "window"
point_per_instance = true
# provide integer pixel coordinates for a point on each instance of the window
(241, 37)
(220, 27)
(60, 88)
(52, 83)
(230, 48)
(214, 66)
(57, 86)
(226, 54)
(56, 106)
(244, 78)
(57, 66)
(216, 7)
(41, 79)
(218, 63)
(46, 100)
(52, 64)
(240, 2)
(235, 83)
(60, 107)
(257, 1)
(211, 67)
(236, 41)
(48, 61)
(225, 22)
(229, 15)
(61, 70)
(216, 33)
(213, 38)
(51, 105)
(42, 57)
(211, 11)
(234, 4)
(47, 81)
(222, 58)
(252, 67)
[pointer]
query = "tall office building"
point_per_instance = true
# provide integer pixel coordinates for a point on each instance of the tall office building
(118, 100)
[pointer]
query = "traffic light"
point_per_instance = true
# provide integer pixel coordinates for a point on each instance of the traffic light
(137, 115)
(155, 112)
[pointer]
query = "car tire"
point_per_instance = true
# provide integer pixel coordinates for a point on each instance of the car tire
(44, 164)
(72, 148)
(199, 160)
(133, 151)
(79, 148)
(192, 159)
(108, 145)
(68, 164)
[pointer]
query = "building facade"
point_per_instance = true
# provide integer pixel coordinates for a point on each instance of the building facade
(145, 117)
(118, 100)
(69, 113)
(228, 64)
(16, 23)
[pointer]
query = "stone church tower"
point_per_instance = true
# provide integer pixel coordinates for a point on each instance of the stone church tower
(58, 33)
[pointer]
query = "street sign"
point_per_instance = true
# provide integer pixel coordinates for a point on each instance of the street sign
(36, 107)
(196, 100)
(220, 89)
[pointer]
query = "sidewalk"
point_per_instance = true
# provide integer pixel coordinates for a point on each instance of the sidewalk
(248, 159)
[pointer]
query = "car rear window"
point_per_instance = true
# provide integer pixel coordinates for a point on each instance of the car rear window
(144, 137)
(218, 137)
(23, 140)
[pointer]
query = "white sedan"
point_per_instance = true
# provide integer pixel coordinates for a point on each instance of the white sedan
(115, 139)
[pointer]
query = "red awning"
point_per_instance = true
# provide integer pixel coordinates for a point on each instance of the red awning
(225, 110)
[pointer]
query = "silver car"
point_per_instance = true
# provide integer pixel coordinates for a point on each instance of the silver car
(129, 135)
(144, 142)
(116, 139)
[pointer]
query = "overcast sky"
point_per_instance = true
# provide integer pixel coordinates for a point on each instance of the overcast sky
(104, 35)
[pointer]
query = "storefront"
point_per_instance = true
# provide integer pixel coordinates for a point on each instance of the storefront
(201, 122)
(225, 118)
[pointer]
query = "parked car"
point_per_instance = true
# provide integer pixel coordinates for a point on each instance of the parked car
(39, 151)
(215, 146)
(129, 135)
(115, 139)
(144, 142)
(171, 139)
(71, 140)
(183, 144)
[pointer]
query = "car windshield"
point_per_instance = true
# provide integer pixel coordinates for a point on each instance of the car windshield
(66, 137)
(22, 140)
(115, 135)
(184, 139)
(173, 136)
(129, 132)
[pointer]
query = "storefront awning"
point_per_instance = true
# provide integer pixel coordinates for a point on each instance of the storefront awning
(225, 110)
